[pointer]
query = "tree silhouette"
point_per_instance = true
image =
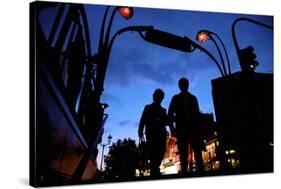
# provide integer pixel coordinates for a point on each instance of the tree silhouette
(122, 160)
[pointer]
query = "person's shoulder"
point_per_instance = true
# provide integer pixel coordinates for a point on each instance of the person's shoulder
(163, 109)
(192, 96)
(176, 96)
(147, 106)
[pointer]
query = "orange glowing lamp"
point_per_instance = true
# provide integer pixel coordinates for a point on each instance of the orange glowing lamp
(104, 105)
(126, 12)
(202, 37)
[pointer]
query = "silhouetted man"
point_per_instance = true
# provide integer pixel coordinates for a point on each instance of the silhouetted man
(184, 111)
(154, 119)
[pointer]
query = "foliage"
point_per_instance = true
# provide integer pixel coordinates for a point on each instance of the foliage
(122, 160)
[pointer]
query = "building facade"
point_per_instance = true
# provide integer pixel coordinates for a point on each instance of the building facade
(244, 113)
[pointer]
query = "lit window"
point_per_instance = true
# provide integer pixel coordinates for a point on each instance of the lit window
(232, 151)
(226, 152)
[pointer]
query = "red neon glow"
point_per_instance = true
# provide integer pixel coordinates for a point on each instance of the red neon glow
(126, 12)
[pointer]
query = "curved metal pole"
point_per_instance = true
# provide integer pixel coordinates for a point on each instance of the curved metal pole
(102, 29)
(126, 29)
(209, 33)
(209, 54)
(219, 51)
(104, 63)
(234, 35)
(86, 29)
(56, 23)
(109, 26)
(225, 52)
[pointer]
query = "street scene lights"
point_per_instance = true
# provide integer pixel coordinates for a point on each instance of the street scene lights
(109, 138)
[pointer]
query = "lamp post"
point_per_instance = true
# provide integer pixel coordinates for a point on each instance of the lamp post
(90, 107)
(196, 46)
(238, 50)
(109, 138)
(204, 35)
(104, 48)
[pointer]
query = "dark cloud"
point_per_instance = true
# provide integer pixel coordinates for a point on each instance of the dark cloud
(159, 65)
(136, 124)
(109, 98)
(125, 123)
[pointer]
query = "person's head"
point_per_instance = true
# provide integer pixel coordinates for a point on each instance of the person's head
(183, 84)
(158, 96)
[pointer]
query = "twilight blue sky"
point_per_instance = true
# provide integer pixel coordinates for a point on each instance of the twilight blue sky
(136, 67)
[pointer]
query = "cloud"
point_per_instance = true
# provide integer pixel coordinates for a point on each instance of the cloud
(125, 123)
(150, 63)
(111, 99)
(136, 124)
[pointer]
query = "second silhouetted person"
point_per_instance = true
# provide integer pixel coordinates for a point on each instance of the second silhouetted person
(184, 112)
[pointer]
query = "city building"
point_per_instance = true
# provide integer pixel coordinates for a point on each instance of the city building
(243, 105)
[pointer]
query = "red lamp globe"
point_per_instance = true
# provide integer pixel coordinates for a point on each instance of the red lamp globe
(202, 37)
(126, 12)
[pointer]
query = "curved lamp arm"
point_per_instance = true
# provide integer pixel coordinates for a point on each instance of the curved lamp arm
(195, 45)
(139, 29)
(210, 33)
(102, 29)
(109, 26)
(225, 52)
(218, 49)
(234, 34)
(86, 29)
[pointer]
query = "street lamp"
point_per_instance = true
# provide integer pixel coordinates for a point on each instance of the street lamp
(126, 12)
(104, 47)
(204, 35)
(109, 138)
(241, 55)
(93, 83)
